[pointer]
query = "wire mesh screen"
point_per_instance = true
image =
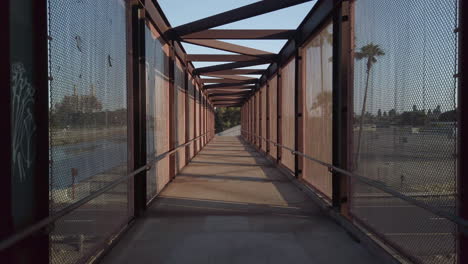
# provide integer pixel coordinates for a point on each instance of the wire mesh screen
(264, 116)
(157, 110)
(179, 113)
(273, 101)
(405, 60)
(317, 54)
(197, 117)
(287, 112)
(257, 118)
(88, 124)
(191, 94)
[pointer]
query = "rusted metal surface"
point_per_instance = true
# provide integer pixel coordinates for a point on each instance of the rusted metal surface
(155, 15)
(228, 66)
(239, 84)
(239, 71)
(228, 94)
(319, 13)
(226, 46)
(233, 15)
(232, 77)
(223, 57)
(222, 80)
(172, 110)
(241, 34)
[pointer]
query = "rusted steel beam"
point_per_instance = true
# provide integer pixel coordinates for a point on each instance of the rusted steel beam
(228, 66)
(224, 92)
(215, 91)
(223, 85)
(314, 19)
(155, 15)
(215, 80)
(241, 34)
(241, 100)
(255, 9)
(226, 46)
(223, 57)
(228, 104)
(228, 97)
(228, 94)
(240, 71)
(232, 77)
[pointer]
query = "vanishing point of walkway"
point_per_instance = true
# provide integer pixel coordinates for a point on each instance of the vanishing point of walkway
(231, 205)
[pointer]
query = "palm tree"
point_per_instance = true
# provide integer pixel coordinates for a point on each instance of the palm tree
(369, 52)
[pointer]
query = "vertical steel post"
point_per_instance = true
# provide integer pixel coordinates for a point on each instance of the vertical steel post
(298, 120)
(267, 116)
(24, 184)
(130, 61)
(462, 134)
(254, 113)
(139, 107)
(6, 226)
(187, 115)
(279, 132)
(172, 110)
(341, 103)
(260, 118)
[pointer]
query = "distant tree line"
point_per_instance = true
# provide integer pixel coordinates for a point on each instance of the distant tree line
(415, 117)
(85, 111)
(227, 117)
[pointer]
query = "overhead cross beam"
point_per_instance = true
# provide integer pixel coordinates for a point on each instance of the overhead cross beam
(229, 66)
(241, 34)
(223, 85)
(239, 71)
(215, 80)
(226, 46)
(227, 101)
(255, 9)
(233, 104)
(228, 94)
(225, 57)
(218, 91)
(232, 77)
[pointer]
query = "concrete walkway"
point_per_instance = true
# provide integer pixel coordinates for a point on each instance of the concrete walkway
(230, 205)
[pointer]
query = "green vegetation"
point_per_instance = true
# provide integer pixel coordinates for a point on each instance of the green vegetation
(227, 117)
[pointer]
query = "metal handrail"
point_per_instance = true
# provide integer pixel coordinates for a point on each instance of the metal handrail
(18, 236)
(462, 223)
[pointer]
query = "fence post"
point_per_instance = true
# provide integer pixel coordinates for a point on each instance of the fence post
(24, 185)
(187, 114)
(279, 133)
(462, 136)
(342, 104)
(139, 107)
(298, 119)
(267, 116)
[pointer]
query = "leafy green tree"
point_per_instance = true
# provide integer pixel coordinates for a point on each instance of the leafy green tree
(226, 117)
